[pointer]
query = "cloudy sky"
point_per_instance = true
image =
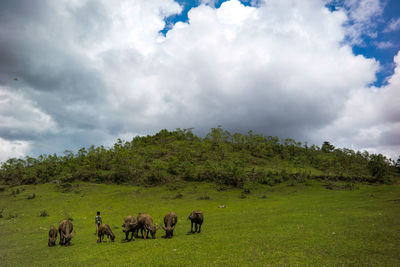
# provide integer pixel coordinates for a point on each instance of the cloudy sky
(75, 73)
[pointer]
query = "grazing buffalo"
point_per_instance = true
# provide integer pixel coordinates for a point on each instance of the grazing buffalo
(52, 236)
(104, 229)
(170, 220)
(65, 230)
(196, 217)
(145, 222)
(130, 226)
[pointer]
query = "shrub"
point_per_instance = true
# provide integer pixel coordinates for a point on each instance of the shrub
(44, 213)
(378, 168)
(172, 188)
(347, 186)
(246, 191)
(31, 196)
(222, 188)
(12, 215)
(204, 198)
(178, 196)
(67, 187)
(1, 213)
(15, 192)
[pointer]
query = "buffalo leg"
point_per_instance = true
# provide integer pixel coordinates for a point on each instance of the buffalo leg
(199, 228)
(136, 232)
(143, 235)
(191, 228)
(61, 239)
(195, 227)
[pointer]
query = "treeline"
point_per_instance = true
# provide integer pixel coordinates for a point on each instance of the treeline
(220, 157)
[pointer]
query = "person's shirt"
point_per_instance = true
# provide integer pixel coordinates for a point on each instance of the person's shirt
(98, 219)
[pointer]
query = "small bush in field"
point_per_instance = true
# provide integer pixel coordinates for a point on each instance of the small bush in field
(178, 196)
(44, 213)
(12, 215)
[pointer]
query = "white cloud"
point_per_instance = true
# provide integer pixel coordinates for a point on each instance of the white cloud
(363, 16)
(20, 117)
(13, 149)
(384, 45)
(393, 25)
(371, 119)
(280, 69)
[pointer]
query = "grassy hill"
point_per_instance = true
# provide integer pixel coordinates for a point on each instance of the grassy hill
(220, 157)
(290, 224)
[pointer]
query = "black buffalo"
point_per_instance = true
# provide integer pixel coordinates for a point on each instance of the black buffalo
(65, 230)
(196, 217)
(130, 226)
(170, 220)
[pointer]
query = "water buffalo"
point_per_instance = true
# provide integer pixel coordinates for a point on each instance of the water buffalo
(145, 222)
(65, 230)
(170, 220)
(105, 229)
(52, 236)
(130, 226)
(196, 217)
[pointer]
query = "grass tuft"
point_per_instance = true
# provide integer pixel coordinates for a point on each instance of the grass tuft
(44, 213)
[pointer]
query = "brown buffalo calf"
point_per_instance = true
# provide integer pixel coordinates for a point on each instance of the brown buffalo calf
(52, 236)
(105, 229)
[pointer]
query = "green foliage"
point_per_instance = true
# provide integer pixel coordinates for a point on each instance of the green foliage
(279, 226)
(379, 168)
(221, 157)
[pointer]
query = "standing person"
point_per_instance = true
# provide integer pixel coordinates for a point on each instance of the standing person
(97, 221)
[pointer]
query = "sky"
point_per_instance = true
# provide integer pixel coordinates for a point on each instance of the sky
(76, 73)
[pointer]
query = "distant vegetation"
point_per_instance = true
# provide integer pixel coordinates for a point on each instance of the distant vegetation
(220, 157)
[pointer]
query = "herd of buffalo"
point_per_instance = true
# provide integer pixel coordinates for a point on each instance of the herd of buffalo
(132, 225)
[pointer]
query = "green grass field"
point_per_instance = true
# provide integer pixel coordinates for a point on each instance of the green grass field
(301, 225)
